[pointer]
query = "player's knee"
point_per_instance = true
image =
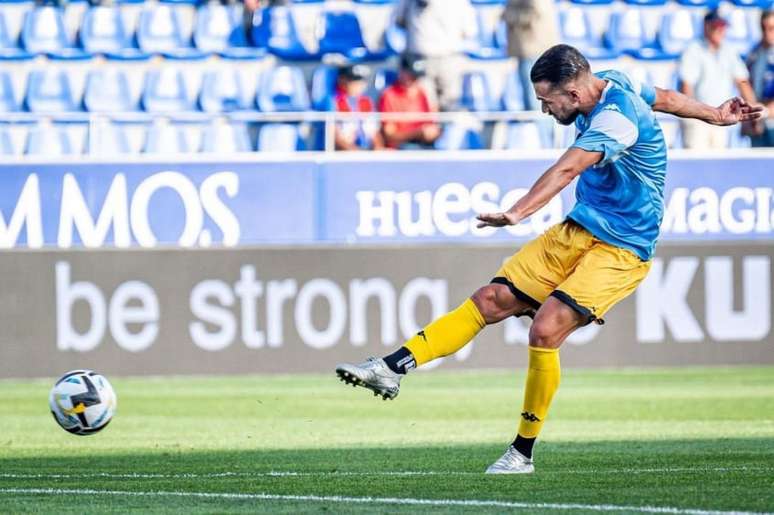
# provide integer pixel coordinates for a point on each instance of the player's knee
(489, 303)
(543, 334)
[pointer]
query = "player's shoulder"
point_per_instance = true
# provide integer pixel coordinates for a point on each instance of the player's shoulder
(618, 99)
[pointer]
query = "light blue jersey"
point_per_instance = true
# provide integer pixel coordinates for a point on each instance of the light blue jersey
(620, 200)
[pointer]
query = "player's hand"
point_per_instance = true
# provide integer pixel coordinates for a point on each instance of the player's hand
(737, 110)
(496, 220)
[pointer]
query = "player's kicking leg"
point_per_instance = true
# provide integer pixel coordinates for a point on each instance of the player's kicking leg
(443, 337)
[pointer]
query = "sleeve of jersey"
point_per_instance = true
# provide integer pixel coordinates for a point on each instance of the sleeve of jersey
(611, 132)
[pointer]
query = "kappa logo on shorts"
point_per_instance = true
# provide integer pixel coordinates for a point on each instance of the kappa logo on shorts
(529, 417)
(422, 334)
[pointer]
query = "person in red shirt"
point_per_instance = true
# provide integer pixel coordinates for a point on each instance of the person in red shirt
(349, 97)
(407, 96)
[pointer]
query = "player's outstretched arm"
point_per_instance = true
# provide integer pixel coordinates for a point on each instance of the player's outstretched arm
(730, 112)
(570, 165)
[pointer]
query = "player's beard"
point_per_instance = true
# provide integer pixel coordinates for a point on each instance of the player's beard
(569, 119)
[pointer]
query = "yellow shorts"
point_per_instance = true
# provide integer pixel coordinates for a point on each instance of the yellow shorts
(569, 263)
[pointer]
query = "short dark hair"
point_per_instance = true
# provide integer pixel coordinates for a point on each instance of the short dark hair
(765, 14)
(559, 65)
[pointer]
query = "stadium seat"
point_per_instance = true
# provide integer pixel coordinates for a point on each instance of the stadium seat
(376, 2)
(44, 30)
(50, 91)
(108, 140)
(107, 90)
(275, 29)
(523, 135)
(740, 31)
(222, 91)
(646, 2)
(678, 29)
(280, 137)
(476, 93)
(592, 2)
(575, 26)
(382, 78)
(341, 34)
(8, 98)
(323, 87)
(627, 31)
(48, 140)
(102, 30)
(165, 138)
(159, 32)
(707, 4)
(459, 136)
(490, 43)
(6, 143)
(513, 93)
(165, 92)
(9, 48)
(754, 4)
(218, 27)
(283, 89)
(226, 138)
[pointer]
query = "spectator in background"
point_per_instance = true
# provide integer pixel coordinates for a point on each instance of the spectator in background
(349, 97)
(760, 62)
(406, 95)
(437, 31)
(711, 72)
(532, 28)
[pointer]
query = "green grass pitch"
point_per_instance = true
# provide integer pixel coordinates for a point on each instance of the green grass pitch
(633, 441)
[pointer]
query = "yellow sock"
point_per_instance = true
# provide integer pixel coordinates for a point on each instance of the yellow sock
(542, 381)
(447, 334)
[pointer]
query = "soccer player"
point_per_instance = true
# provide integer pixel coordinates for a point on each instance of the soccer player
(578, 269)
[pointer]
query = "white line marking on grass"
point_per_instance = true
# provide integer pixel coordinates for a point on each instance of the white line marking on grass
(342, 473)
(374, 500)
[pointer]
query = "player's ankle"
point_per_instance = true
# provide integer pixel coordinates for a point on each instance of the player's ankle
(524, 445)
(400, 361)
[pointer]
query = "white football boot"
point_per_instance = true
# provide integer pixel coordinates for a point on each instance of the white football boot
(512, 462)
(373, 374)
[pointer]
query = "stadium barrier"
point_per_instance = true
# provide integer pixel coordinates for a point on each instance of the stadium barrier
(410, 197)
(303, 309)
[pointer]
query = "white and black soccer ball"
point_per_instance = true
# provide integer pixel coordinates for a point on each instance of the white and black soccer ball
(82, 402)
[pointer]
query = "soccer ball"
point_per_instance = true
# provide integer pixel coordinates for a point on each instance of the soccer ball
(82, 402)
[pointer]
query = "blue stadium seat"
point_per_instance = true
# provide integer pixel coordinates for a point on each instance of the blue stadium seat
(280, 137)
(476, 93)
(165, 139)
(646, 2)
(323, 87)
(740, 34)
(109, 140)
(283, 89)
(513, 93)
(575, 27)
(102, 30)
(107, 90)
(226, 138)
(754, 4)
(707, 4)
(9, 47)
(678, 29)
(8, 99)
(48, 140)
(524, 135)
(50, 91)
(222, 92)
(489, 44)
(382, 78)
(459, 136)
(159, 32)
(592, 2)
(218, 27)
(376, 2)
(6, 144)
(44, 30)
(165, 92)
(275, 29)
(341, 34)
(627, 31)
